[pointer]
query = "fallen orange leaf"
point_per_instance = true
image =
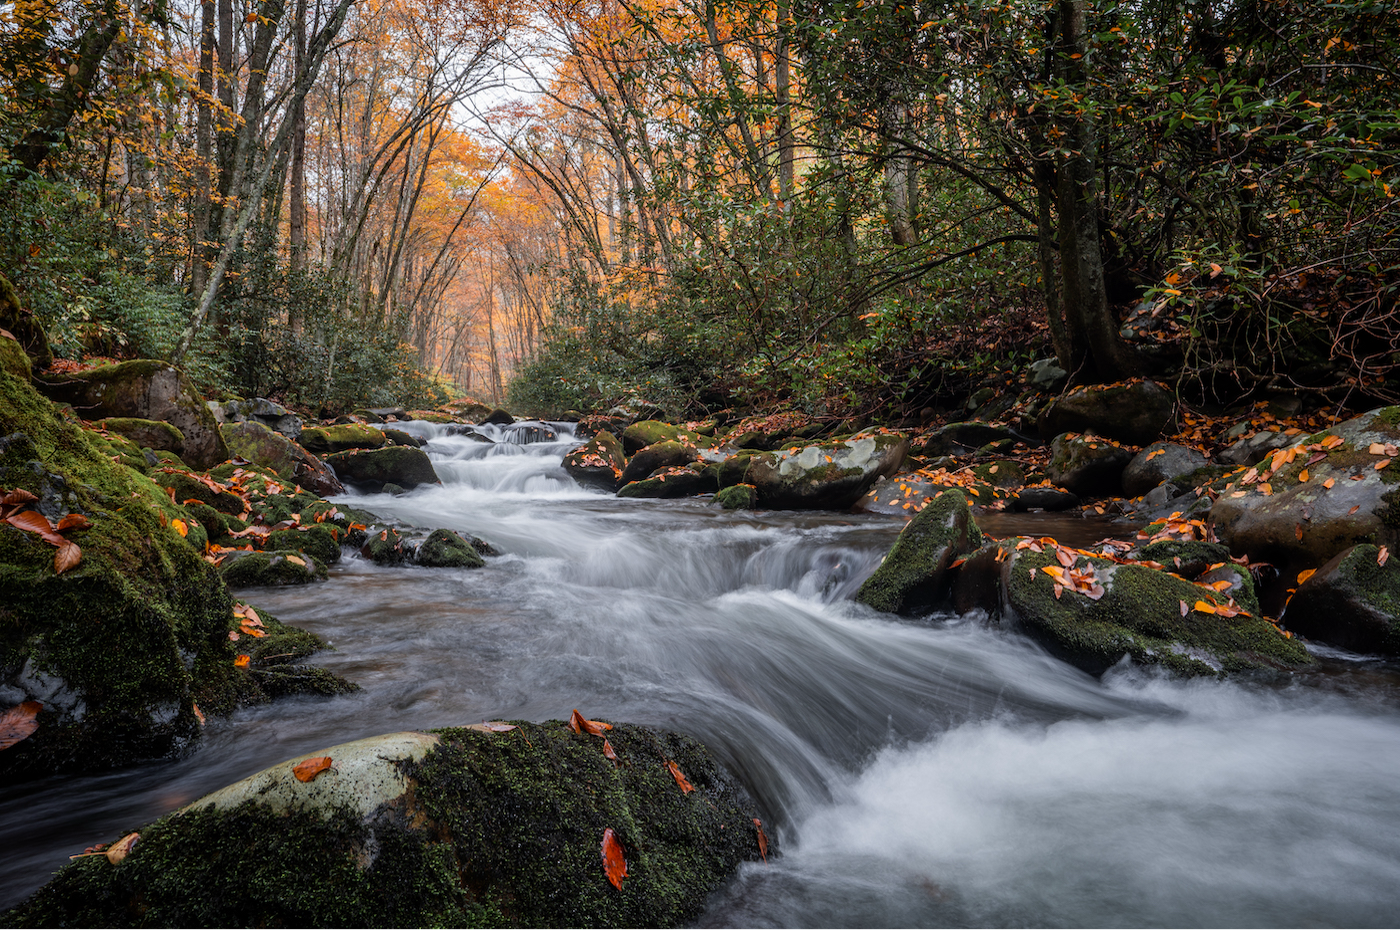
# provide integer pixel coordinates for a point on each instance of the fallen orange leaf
(1328, 483)
(310, 768)
(1382, 556)
(74, 522)
(762, 839)
(296, 560)
(1203, 606)
(581, 725)
(1382, 464)
(122, 847)
(1184, 608)
(1303, 475)
(608, 752)
(37, 523)
(180, 527)
(685, 786)
(242, 660)
(19, 722)
(614, 862)
(1305, 575)
(68, 556)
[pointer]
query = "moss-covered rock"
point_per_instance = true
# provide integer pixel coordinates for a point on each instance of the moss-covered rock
(408, 467)
(1353, 602)
(1327, 498)
(1139, 615)
(1188, 558)
(402, 438)
(739, 496)
(149, 389)
(158, 435)
(469, 828)
(319, 542)
(1134, 412)
(13, 359)
(22, 325)
(445, 548)
(337, 437)
(385, 546)
(962, 437)
(913, 578)
(597, 463)
(658, 456)
(825, 477)
(119, 647)
(258, 444)
(676, 482)
(644, 434)
(271, 568)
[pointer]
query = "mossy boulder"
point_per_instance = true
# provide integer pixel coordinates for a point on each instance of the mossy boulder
(149, 389)
(385, 546)
(464, 828)
(1088, 465)
(913, 578)
(25, 329)
(271, 568)
(1157, 463)
(1352, 601)
(259, 444)
(158, 435)
(1190, 559)
(319, 541)
(1138, 615)
(740, 496)
(408, 467)
(675, 482)
(962, 437)
(13, 359)
(120, 647)
(644, 434)
(445, 548)
(337, 437)
(1135, 412)
(402, 438)
(1326, 498)
(597, 463)
(831, 477)
(658, 456)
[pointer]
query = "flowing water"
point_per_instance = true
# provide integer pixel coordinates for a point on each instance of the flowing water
(942, 773)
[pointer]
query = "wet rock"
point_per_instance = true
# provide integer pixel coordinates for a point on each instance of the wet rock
(913, 577)
(1188, 558)
(446, 548)
(1248, 451)
(1352, 601)
(402, 438)
(1047, 498)
(597, 463)
(648, 433)
(262, 411)
(1088, 465)
(258, 444)
(1298, 523)
(890, 496)
(671, 483)
(741, 496)
(271, 568)
(831, 477)
(462, 828)
(1133, 412)
(1156, 464)
(1139, 615)
(977, 582)
(130, 638)
(385, 546)
(147, 389)
(498, 416)
(658, 456)
(339, 437)
(408, 467)
(468, 409)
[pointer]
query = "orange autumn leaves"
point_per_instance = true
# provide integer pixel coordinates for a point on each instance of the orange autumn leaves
(19, 722)
(308, 770)
(14, 512)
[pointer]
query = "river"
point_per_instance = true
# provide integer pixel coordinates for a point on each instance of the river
(941, 773)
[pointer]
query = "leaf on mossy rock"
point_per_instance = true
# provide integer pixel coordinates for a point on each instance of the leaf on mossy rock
(310, 768)
(581, 725)
(762, 839)
(68, 556)
(614, 862)
(37, 523)
(19, 722)
(120, 849)
(685, 786)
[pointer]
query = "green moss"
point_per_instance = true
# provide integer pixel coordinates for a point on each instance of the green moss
(271, 568)
(312, 540)
(739, 496)
(338, 437)
(1140, 616)
(385, 546)
(913, 576)
(1188, 558)
(445, 548)
(130, 630)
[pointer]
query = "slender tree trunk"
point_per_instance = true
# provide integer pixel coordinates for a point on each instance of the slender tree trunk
(204, 147)
(783, 94)
(296, 209)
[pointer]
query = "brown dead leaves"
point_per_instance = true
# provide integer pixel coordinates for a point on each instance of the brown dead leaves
(614, 861)
(681, 782)
(19, 722)
(308, 770)
(581, 725)
(13, 512)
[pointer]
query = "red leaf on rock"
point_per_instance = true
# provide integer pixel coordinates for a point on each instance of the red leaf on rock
(19, 722)
(581, 725)
(66, 557)
(762, 839)
(308, 769)
(608, 752)
(685, 786)
(614, 862)
(18, 497)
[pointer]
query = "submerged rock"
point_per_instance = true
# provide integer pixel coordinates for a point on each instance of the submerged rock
(467, 827)
(913, 578)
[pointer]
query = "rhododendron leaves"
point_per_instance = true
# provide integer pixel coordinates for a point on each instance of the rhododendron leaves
(614, 862)
(310, 768)
(685, 786)
(19, 722)
(762, 838)
(581, 725)
(68, 556)
(122, 847)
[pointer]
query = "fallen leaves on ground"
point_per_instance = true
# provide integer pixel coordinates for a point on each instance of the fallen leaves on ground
(19, 722)
(614, 862)
(307, 770)
(12, 512)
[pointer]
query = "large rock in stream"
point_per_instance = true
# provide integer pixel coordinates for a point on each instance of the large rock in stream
(259, 444)
(1134, 412)
(149, 389)
(831, 477)
(468, 827)
(407, 467)
(913, 577)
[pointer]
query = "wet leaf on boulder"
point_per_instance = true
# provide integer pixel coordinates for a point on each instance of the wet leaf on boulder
(19, 722)
(68, 556)
(307, 771)
(581, 725)
(120, 849)
(38, 524)
(614, 862)
(685, 786)
(74, 522)
(762, 839)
